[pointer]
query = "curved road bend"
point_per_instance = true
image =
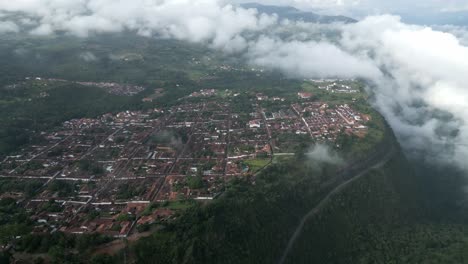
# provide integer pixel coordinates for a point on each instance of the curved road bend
(327, 199)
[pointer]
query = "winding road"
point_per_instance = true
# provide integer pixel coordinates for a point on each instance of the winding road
(314, 211)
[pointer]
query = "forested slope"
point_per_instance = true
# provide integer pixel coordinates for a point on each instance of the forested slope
(390, 216)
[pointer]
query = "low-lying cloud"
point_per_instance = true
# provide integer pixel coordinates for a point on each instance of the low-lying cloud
(88, 56)
(416, 74)
(8, 27)
(323, 154)
(310, 58)
(423, 95)
(221, 26)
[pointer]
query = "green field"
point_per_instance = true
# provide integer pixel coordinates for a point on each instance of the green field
(178, 205)
(256, 164)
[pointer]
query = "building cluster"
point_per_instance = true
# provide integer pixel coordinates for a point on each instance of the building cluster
(115, 173)
(323, 122)
(203, 93)
(335, 87)
(262, 97)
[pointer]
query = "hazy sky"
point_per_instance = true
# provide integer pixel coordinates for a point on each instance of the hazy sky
(382, 6)
(412, 9)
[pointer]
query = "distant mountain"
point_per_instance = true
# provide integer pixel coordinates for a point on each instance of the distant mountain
(440, 18)
(292, 13)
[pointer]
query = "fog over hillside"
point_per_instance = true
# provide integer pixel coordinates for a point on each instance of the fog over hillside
(417, 74)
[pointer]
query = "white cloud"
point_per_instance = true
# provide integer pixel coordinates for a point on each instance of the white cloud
(88, 56)
(461, 33)
(8, 27)
(310, 59)
(192, 20)
(323, 154)
(42, 30)
(427, 69)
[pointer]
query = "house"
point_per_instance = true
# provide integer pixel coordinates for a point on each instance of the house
(254, 124)
(148, 219)
(278, 99)
(304, 95)
(367, 118)
(261, 97)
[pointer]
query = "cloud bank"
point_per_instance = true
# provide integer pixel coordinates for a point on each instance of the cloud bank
(196, 21)
(416, 74)
(424, 94)
(8, 27)
(310, 59)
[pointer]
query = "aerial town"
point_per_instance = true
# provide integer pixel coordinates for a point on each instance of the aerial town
(121, 172)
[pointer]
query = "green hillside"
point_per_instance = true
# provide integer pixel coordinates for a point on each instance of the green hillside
(388, 216)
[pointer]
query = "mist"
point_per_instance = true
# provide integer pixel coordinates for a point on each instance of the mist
(88, 56)
(323, 154)
(8, 27)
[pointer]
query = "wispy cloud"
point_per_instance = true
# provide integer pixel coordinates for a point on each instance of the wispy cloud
(324, 154)
(8, 27)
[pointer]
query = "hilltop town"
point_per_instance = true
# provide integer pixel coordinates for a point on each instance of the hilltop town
(119, 173)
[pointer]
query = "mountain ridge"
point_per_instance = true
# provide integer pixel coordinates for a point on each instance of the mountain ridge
(291, 13)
